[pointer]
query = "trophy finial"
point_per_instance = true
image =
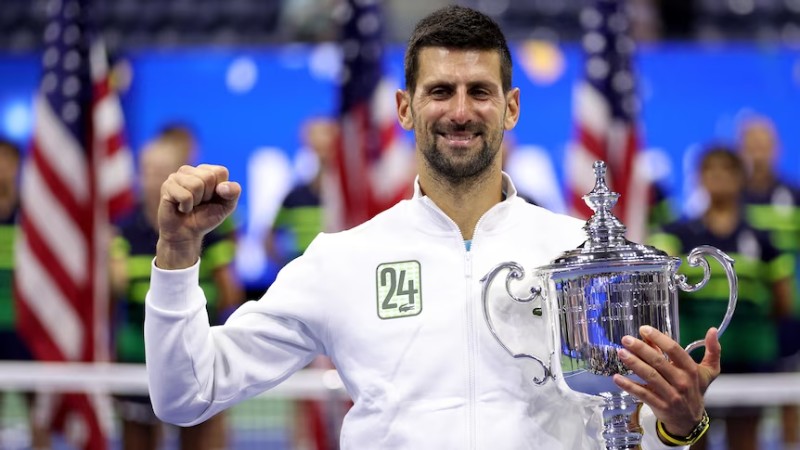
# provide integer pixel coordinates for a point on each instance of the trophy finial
(600, 176)
(603, 228)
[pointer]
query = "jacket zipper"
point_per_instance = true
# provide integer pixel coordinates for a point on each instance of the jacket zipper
(471, 355)
(472, 346)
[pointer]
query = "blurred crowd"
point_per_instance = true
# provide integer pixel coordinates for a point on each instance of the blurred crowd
(137, 23)
(751, 213)
(754, 216)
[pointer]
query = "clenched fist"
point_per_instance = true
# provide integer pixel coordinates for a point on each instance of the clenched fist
(194, 201)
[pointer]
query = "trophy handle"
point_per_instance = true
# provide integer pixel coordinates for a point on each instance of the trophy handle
(516, 272)
(696, 258)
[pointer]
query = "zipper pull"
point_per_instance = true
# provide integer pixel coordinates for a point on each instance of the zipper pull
(468, 265)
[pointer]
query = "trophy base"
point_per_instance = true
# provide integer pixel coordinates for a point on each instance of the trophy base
(621, 429)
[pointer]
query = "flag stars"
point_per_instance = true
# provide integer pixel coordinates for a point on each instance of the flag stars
(71, 35)
(49, 82)
(53, 6)
(52, 32)
(597, 68)
(350, 49)
(622, 81)
(72, 60)
(343, 13)
(594, 42)
(618, 22)
(50, 57)
(368, 24)
(625, 45)
(70, 111)
(630, 106)
(71, 87)
(591, 18)
(71, 10)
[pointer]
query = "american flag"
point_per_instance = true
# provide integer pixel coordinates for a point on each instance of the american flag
(374, 167)
(605, 110)
(78, 172)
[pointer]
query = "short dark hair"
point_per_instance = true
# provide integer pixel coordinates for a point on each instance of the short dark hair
(11, 148)
(724, 152)
(457, 27)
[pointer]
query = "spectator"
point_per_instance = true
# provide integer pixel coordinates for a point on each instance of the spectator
(750, 345)
(773, 205)
(133, 250)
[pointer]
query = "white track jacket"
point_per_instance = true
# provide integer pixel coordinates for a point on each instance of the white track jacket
(396, 303)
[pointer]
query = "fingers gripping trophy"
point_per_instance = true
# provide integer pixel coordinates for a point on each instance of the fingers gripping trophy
(595, 295)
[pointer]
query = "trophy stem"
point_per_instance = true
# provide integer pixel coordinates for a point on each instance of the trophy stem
(621, 429)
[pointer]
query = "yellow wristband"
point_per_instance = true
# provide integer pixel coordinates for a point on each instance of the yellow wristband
(697, 432)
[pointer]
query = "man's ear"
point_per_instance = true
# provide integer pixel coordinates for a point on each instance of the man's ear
(512, 109)
(404, 115)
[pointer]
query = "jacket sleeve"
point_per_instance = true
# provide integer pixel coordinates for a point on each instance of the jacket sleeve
(195, 370)
(650, 440)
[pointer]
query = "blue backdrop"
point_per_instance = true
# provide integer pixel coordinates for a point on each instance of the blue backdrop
(240, 100)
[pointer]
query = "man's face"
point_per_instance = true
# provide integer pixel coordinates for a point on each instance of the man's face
(322, 135)
(758, 145)
(458, 111)
(721, 179)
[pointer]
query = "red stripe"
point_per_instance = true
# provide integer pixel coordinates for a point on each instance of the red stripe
(119, 204)
(352, 167)
(114, 143)
(36, 336)
(80, 405)
(80, 296)
(78, 212)
(594, 145)
(47, 260)
(101, 89)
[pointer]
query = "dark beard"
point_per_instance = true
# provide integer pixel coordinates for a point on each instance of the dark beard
(456, 173)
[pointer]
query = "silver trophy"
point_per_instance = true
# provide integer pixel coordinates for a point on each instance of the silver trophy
(593, 296)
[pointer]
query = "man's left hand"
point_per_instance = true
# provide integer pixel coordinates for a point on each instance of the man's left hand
(673, 388)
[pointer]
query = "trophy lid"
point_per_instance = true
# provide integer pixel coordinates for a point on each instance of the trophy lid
(606, 243)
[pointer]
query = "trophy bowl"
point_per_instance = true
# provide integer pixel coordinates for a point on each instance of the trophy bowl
(600, 292)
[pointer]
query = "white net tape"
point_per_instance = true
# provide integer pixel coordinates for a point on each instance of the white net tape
(727, 390)
(269, 422)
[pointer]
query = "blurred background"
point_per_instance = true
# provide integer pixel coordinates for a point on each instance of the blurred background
(244, 77)
(245, 74)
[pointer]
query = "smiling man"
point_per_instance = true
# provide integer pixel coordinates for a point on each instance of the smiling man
(396, 301)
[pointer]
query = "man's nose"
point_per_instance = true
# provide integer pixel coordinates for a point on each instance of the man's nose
(461, 108)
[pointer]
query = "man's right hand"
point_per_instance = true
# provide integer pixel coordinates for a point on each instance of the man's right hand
(194, 201)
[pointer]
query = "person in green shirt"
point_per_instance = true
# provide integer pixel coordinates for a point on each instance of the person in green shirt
(773, 205)
(751, 343)
(301, 216)
(133, 250)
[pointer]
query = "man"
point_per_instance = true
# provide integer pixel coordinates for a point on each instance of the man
(301, 217)
(764, 273)
(395, 302)
(130, 269)
(773, 205)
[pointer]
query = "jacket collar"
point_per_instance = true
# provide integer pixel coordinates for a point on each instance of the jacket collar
(492, 220)
(508, 187)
